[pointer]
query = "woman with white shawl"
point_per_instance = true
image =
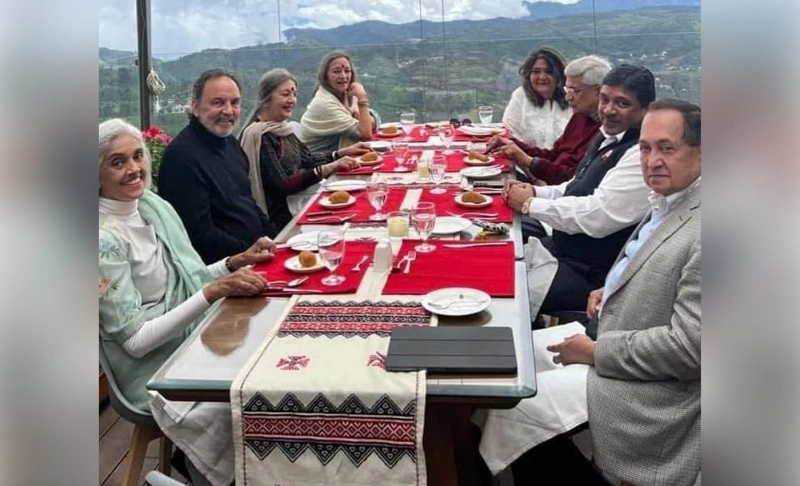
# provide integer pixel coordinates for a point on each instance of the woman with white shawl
(339, 113)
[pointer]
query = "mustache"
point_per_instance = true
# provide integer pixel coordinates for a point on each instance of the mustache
(226, 118)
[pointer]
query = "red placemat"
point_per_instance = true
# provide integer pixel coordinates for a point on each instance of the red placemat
(446, 204)
(353, 252)
(362, 209)
(487, 268)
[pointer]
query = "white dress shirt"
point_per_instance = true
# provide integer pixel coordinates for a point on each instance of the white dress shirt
(618, 202)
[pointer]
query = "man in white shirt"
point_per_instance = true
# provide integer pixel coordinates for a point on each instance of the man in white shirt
(593, 214)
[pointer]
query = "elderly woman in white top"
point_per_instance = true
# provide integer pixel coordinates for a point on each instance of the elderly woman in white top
(338, 115)
(154, 288)
(538, 110)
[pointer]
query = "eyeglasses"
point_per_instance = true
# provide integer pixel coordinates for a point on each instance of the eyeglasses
(573, 91)
(465, 122)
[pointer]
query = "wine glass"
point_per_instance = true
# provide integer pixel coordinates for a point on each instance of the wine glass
(397, 224)
(485, 114)
(376, 193)
(331, 251)
(423, 216)
(438, 169)
(407, 122)
(400, 150)
(446, 135)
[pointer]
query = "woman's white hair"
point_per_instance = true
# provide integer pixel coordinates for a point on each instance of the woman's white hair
(112, 129)
(590, 69)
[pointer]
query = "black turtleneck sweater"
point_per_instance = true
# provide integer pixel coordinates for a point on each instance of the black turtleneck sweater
(205, 179)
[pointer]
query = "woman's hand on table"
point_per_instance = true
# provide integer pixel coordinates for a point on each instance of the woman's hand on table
(354, 150)
(263, 249)
(343, 164)
(496, 142)
(240, 283)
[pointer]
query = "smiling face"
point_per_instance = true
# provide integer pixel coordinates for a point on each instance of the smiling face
(542, 79)
(219, 108)
(124, 170)
(281, 103)
(669, 164)
(618, 109)
(340, 74)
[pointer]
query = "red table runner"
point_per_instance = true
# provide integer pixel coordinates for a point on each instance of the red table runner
(361, 210)
(354, 251)
(446, 204)
(417, 134)
(455, 162)
(487, 268)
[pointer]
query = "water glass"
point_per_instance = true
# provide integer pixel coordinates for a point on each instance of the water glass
(438, 169)
(446, 135)
(423, 217)
(400, 150)
(397, 224)
(407, 122)
(485, 114)
(331, 250)
(377, 193)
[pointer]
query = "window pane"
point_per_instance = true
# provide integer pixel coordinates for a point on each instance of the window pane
(118, 72)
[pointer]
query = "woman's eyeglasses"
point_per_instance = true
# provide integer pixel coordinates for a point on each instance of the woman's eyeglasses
(465, 122)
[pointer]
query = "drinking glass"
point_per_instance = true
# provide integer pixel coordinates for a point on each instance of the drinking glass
(400, 150)
(446, 135)
(485, 114)
(331, 251)
(438, 169)
(407, 122)
(423, 217)
(376, 193)
(397, 224)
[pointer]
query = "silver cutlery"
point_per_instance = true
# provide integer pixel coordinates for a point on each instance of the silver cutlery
(399, 264)
(290, 283)
(341, 219)
(292, 289)
(412, 255)
(470, 245)
(357, 266)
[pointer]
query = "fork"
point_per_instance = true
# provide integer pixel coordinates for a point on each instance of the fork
(412, 255)
(357, 266)
(341, 219)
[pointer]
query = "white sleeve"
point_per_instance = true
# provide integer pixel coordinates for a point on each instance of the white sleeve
(551, 192)
(218, 269)
(512, 116)
(157, 331)
(618, 202)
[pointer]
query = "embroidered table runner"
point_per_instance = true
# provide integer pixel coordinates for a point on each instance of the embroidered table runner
(487, 268)
(315, 406)
(446, 206)
(361, 210)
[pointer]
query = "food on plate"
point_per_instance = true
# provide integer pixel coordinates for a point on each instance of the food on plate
(473, 197)
(307, 259)
(477, 156)
(369, 157)
(339, 197)
(390, 130)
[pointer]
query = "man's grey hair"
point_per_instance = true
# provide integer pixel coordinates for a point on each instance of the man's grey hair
(590, 69)
(114, 128)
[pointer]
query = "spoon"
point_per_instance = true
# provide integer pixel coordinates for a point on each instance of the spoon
(291, 283)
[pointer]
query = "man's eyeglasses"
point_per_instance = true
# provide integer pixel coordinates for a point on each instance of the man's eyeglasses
(465, 122)
(573, 91)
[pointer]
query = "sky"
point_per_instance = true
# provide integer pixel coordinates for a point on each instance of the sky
(181, 27)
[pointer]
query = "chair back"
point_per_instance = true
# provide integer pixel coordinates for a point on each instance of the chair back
(121, 405)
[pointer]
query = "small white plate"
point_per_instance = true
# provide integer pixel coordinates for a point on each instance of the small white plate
(463, 301)
(304, 241)
(485, 203)
(477, 131)
(369, 162)
(293, 265)
(379, 145)
(345, 185)
(469, 161)
(481, 173)
(446, 225)
(326, 203)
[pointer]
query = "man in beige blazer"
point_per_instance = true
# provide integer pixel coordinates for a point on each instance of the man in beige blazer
(643, 387)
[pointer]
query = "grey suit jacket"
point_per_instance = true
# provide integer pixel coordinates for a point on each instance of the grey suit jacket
(644, 390)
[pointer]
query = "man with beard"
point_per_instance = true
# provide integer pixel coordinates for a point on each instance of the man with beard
(593, 213)
(204, 173)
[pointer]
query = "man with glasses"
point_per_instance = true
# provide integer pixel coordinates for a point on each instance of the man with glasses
(557, 164)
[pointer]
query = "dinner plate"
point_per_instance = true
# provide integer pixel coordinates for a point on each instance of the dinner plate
(485, 203)
(469, 161)
(345, 185)
(480, 131)
(379, 145)
(381, 133)
(326, 203)
(293, 265)
(304, 241)
(438, 124)
(481, 172)
(456, 301)
(369, 162)
(446, 225)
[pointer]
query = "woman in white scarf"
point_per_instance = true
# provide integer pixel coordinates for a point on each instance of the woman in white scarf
(339, 114)
(280, 164)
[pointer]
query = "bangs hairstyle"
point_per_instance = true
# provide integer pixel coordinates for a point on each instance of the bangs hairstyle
(111, 130)
(325, 63)
(555, 65)
(691, 117)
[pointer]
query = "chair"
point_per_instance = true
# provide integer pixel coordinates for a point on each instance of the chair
(155, 478)
(145, 430)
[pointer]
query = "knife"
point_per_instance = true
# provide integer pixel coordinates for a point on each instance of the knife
(320, 213)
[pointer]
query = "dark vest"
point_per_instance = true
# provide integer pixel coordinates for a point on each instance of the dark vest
(594, 256)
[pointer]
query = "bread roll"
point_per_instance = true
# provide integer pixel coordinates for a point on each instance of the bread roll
(473, 197)
(391, 129)
(369, 157)
(307, 259)
(339, 197)
(477, 156)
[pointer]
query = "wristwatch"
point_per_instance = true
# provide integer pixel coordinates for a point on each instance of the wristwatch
(526, 205)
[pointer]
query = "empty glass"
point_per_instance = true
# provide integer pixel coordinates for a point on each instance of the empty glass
(423, 217)
(446, 135)
(331, 251)
(438, 169)
(376, 193)
(400, 150)
(485, 114)
(407, 122)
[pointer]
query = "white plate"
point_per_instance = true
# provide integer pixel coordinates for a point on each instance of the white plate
(481, 173)
(446, 225)
(326, 203)
(470, 161)
(345, 185)
(485, 203)
(293, 265)
(384, 126)
(466, 301)
(369, 162)
(304, 241)
(480, 131)
(379, 145)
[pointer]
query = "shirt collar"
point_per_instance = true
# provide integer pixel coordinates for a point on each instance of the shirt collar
(662, 204)
(612, 138)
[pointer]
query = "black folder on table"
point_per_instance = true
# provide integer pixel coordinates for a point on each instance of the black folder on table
(480, 350)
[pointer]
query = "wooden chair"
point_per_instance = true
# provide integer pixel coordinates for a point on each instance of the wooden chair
(145, 430)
